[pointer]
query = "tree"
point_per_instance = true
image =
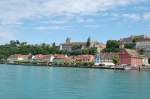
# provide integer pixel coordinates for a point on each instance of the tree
(141, 51)
(53, 45)
(24, 48)
(77, 52)
(12, 43)
(17, 42)
(135, 39)
(88, 43)
(112, 46)
(85, 51)
(93, 51)
(43, 45)
(130, 46)
(116, 60)
(76, 47)
(23, 44)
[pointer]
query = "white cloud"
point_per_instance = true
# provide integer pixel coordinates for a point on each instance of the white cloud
(53, 22)
(6, 36)
(7, 32)
(13, 11)
(91, 26)
(132, 16)
(41, 28)
(85, 20)
(53, 27)
(146, 16)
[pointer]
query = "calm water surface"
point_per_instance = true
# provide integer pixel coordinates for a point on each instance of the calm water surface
(30, 82)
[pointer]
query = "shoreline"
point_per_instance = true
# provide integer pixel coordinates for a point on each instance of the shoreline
(84, 66)
(73, 66)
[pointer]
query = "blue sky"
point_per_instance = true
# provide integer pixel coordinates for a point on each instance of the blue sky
(38, 21)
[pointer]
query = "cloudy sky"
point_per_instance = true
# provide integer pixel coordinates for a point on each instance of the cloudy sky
(37, 21)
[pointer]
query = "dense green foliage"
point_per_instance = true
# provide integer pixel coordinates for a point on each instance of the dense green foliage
(130, 46)
(84, 51)
(112, 46)
(76, 47)
(116, 60)
(16, 47)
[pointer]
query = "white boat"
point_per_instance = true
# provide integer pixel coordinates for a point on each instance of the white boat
(127, 68)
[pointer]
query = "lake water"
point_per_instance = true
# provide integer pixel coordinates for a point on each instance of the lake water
(31, 82)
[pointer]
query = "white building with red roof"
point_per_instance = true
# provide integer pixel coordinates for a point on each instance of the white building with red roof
(84, 58)
(17, 57)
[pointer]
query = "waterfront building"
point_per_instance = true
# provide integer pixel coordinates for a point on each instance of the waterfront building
(70, 46)
(145, 60)
(105, 58)
(129, 40)
(97, 60)
(143, 47)
(84, 58)
(38, 57)
(60, 58)
(18, 57)
(130, 57)
(143, 44)
(48, 58)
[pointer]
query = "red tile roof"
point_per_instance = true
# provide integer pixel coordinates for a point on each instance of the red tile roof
(132, 53)
(39, 56)
(81, 57)
(19, 56)
(60, 56)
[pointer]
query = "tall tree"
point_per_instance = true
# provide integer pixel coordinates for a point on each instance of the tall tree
(76, 47)
(12, 43)
(88, 43)
(54, 45)
(17, 42)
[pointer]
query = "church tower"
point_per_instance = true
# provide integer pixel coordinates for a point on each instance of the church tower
(68, 40)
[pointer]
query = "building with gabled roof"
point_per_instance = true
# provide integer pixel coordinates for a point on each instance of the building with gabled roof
(129, 40)
(143, 44)
(84, 58)
(18, 57)
(105, 58)
(38, 56)
(130, 57)
(69, 45)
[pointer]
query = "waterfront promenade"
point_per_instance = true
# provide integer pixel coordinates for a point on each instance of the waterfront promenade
(117, 67)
